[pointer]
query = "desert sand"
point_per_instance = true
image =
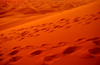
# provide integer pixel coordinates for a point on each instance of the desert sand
(17, 12)
(68, 37)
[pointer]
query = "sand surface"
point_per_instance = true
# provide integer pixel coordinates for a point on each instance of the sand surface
(17, 12)
(71, 37)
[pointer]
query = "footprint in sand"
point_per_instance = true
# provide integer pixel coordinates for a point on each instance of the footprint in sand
(48, 29)
(11, 37)
(43, 25)
(62, 19)
(1, 59)
(51, 31)
(88, 19)
(67, 20)
(67, 23)
(87, 23)
(92, 39)
(85, 55)
(13, 59)
(17, 47)
(36, 30)
(22, 28)
(44, 45)
(67, 27)
(61, 26)
(62, 43)
(83, 18)
(17, 37)
(76, 20)
(29, 47)
(30, 35)
(53, 47)
(77, 17)
(1, 54)
(37, 26)
(21, 39)
(37, 52)
(37, 35)
(1, 34)
(80, 39)
(24, 33)
(1, 42)
(91, 14)
(50, 59)
(50, 23)
(72, 49)
(43, 29)
(97, 42)
(95, 51)
(13, 52)
(98, 12)
(56, 26)
(5, 39)
(96, 18)
(31, 27)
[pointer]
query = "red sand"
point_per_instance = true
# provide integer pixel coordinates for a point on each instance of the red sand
(71, 37)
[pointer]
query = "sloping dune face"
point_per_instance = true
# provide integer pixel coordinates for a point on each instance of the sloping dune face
(15, 11)
(71, 37)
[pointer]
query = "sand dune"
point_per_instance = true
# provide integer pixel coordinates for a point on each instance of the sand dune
(71, 37)
(38, 9)
(27, 11)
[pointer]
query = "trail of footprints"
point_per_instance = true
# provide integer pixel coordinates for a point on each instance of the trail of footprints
(50, 58)
(50, 27)
(46, 27)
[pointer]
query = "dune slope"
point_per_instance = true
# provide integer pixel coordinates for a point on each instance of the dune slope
(68, 38)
